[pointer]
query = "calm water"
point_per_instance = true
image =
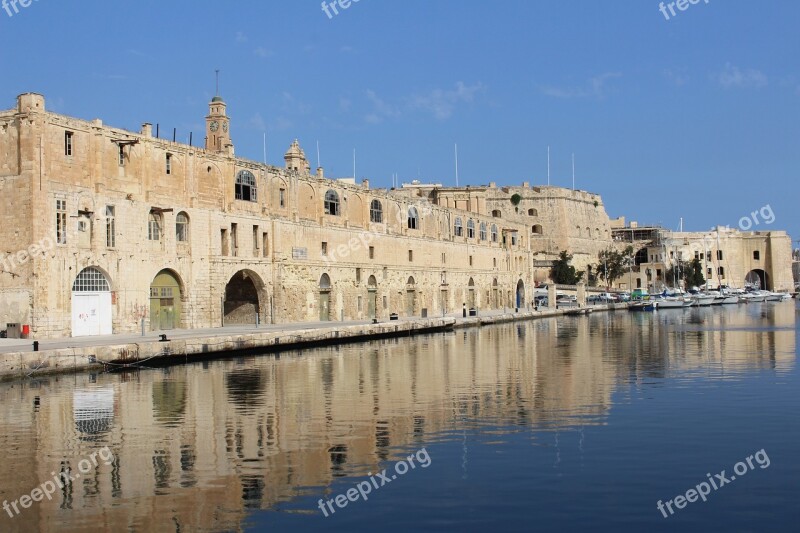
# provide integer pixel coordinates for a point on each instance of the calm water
(575, 424)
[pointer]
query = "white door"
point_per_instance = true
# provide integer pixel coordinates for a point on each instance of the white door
(91, 314)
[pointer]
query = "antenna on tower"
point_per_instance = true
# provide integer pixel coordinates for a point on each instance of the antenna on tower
(456, 165)
(217, 75)
(573, 171)
(548, 166)
(354, 164)
(319, 164)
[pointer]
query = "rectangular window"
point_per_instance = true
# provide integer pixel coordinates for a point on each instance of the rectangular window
(61, 221)
(256, 242)
(358, 277)
(721, 272)
(169, 164)
(67, 143)
(709, 272)
(154, 226)
(444, 258)
(121, 155)
(495, 262)
(708, 256)
(757, 255)
(223, 238)
(265, 240)
(324, 248)
(719, 255)
(282, 197)
(470, 260)
(411, 255)
(372, 252)
(697, 255)
(111, 236)
(234, 240)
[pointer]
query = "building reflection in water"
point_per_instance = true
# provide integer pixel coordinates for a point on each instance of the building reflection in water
(205, 444)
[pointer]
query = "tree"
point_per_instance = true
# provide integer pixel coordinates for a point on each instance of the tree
(680, 271)
(613, 264)
(695, 277)
(562, 272)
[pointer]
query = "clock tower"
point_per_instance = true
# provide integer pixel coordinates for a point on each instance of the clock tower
(218, 135)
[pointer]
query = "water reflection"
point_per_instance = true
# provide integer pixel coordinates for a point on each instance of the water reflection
(199, 447)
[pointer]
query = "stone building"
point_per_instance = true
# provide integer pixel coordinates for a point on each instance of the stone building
(107, 230)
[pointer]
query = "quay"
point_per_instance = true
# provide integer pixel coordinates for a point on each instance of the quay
(109, 352)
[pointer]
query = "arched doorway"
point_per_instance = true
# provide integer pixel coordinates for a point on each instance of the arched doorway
(91, 303)
(758, 278)
(325, 298)
(411, 297)
(471, 301)
(520, 294)
(372, 297)
(495, 294)
(165, 302)
(242, 303)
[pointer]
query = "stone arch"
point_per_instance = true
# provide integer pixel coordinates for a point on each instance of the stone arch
(243, 298)
(496, 213)
(411, 297)
(471, 294)
(520, 294)
(91, 303)
(166, 301)
(325, 288)
(276, 184)
(355, 210)
(372, 297)
(758, 278)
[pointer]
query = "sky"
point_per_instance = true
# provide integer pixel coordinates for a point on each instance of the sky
(692, 115)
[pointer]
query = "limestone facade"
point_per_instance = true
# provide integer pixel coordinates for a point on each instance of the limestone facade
(107, 230)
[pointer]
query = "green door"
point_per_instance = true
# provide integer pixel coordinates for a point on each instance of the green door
(165, 302)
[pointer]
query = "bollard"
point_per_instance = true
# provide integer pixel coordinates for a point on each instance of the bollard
(35, 346)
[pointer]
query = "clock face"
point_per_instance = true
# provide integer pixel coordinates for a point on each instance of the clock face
(214, 125)
(225, 127)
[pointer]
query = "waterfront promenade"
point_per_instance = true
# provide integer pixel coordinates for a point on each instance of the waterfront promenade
(18, 360)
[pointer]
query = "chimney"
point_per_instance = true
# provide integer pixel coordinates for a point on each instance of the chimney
(365, 183)
(320, 173)
(147, 129)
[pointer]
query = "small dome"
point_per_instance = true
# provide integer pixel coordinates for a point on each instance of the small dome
(217, 99)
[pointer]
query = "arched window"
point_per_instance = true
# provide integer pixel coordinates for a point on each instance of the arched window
(578, 228)
(459, 228)
(182, 227)
(332, 203)
(483, 231)
(494, 233)
(154, 226)
(496, 213)
(325, 282)
(533, 213)
(413, 218)
(90, 280)
(588, 232)
(376, 212)
(246, 186)
(470, 229)
(536, 229)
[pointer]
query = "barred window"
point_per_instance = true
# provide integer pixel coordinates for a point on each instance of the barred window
(413, 218)
(61, 221)
(331, 203)
(376, 212)
(182, 227)
(246, 186)
(154, 226)
(90, 280)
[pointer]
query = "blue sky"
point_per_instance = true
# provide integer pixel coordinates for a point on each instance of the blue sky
(693, 117)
